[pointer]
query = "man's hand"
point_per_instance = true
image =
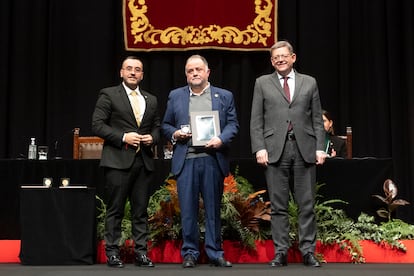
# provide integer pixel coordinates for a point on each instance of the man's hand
(262, 157)
(320, 157)
(181, 136)
(214, 143)
(146, 139)
(132, 138)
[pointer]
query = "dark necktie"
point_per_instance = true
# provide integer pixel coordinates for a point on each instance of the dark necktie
(286, 88)
(287, 93)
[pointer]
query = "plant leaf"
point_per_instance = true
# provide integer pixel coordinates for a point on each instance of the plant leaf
(400, 202)
(382, 213)
(381, 198)
(390, 189)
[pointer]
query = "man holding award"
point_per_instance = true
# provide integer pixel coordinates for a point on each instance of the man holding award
(200, 162)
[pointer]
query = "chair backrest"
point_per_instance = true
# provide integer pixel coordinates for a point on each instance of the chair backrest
(86, 147)
(348, 142)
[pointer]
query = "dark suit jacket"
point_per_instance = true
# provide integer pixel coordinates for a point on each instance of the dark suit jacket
(177, 114)
(271, 113)
(113, 116)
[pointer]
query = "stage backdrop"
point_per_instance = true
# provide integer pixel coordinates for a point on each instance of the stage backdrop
(196, 24)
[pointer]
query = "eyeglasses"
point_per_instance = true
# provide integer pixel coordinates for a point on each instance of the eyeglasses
(131, 69)
(281, 57)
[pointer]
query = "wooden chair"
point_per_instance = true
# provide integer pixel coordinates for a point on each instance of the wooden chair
(86, 147)
(348, 142)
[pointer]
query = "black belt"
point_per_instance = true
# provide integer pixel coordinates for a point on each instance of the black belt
(291, 136)
(192, 149)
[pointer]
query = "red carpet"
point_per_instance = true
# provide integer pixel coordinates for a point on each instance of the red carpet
(9, 251)
(169, 252)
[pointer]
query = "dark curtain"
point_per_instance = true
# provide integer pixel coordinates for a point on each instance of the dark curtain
(56, 55)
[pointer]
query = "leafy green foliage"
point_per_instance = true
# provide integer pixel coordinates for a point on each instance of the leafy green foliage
(126, 227)
(157, 197)
(334, 227)
(246, 218)
(100, 217)
(244, 187)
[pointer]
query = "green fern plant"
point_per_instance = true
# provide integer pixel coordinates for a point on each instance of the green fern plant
(333, 226)
(126, 228)
(100, 218)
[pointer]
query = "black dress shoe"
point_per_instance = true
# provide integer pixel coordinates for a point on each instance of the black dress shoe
(189, 261)
(310, 260)
(114, 261)
(279, 260)
(143, 260)
(221, 262)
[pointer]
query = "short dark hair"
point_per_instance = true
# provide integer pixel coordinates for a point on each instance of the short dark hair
(132, 57)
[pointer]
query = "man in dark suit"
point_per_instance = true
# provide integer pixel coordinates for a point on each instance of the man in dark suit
(287, 137)
(126, 117)
(200, 170)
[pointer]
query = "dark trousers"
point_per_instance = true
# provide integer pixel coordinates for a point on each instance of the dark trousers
(279, 176)
(201, 176)
(134, 184)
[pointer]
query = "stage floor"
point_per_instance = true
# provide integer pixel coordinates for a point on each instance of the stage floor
(337, 269)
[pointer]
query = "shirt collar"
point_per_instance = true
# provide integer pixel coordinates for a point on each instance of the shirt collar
(129, 90)
(202, 92)
(291, 75)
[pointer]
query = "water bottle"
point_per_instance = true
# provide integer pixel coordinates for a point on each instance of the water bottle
(32, 150)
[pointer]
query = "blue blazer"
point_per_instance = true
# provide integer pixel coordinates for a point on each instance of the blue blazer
(177, 114)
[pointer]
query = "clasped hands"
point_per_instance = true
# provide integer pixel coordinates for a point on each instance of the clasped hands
(214, 142)
(134, 139)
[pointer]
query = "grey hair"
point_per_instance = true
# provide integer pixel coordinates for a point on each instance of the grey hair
(281, 44)
(203, 59)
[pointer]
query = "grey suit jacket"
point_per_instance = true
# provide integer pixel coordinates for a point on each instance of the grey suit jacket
(113, 116)
(272, 112)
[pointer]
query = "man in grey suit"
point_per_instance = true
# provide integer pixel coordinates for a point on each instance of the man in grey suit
(126, 117)
(287, 137)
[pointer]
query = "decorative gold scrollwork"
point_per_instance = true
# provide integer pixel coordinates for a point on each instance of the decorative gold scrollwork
(257, 32)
